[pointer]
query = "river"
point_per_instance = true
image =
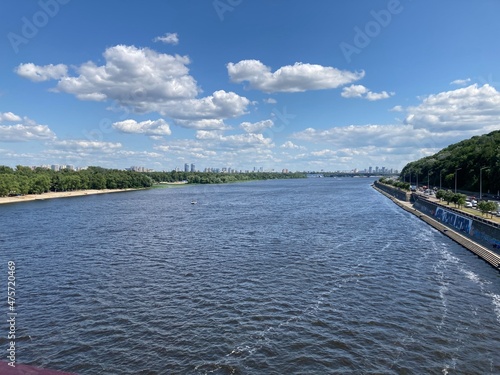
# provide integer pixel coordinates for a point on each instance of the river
(308, 276)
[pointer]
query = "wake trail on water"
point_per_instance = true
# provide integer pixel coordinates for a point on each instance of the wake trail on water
(230, 362)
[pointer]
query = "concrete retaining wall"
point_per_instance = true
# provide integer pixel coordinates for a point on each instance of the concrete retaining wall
(394, 191)
(473, 245)
(482, 232)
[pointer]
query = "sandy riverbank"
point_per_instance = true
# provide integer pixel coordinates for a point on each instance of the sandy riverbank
(61, 194)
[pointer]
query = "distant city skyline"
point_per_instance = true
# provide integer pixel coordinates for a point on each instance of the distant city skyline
(332, 85)
(192, 168)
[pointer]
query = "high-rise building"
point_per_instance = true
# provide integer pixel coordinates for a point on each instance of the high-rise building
(193, 169)
(186, 167)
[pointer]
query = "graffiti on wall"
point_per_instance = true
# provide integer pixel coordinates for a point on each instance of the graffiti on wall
(458, 222)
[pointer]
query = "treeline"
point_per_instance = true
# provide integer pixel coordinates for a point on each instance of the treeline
(24, 180)
(218, 178)
(398, 184)
(460, 199)
(466, 158)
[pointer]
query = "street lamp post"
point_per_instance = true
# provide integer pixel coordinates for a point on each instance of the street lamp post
(481, 182)
(456, 170)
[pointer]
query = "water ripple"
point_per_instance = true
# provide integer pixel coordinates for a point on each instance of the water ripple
(311, 276)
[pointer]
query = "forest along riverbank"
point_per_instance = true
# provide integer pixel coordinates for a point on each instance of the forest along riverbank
(59, 194)
(487, 255)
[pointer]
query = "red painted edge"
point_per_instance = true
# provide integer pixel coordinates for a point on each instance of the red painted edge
(6, 369)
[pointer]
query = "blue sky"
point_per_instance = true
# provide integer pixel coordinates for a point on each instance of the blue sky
(332, 85)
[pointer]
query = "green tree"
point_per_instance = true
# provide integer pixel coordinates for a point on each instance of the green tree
(486, 206)
(448, 196)
(440, 194)
(40, 184)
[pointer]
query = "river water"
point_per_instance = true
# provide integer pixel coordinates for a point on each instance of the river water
(310, 276)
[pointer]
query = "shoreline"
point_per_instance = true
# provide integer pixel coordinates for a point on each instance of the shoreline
(61, 194)
(482, 252)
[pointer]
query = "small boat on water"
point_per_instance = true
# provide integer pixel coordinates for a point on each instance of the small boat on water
(193, 202)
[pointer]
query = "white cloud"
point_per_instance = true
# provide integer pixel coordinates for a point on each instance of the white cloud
(365, 135)
(373, 96)
(438, 121)
(360, 91)
(204, 124)
(168, 38)
(133, 77)
(397, 108)
(354, 91)
(143, 80)
(291, 78)
(270, 101)
(290, 145)
(41, 73)
(472, 108)
(155, 128)
(163, 148)
(220, 105)
(80, 145)
(22, 133)
(237, 141)
(146, 154)
(460, 82)
(256, 127)
(25, 129)
(9, 117)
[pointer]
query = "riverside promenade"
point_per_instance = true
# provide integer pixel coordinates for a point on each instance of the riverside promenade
(482, 252)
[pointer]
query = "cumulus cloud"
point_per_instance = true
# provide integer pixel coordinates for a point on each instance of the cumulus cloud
(270, 101)
(163, 148)
(41, 73)
(291, 146)
(24, 130)
(80, 145)
(256, 127)
(291, 78)
(187, 148)
(22, 133)
(204, 124)
(168, 38)
(219, 105)
(143, 80)
(365, 135)
(460, 82)
(155, 128)
(360, 91)
(236, 141)
(438, 121)
(397, 108)
(470, 108)
(133, 77)
(9, 117)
